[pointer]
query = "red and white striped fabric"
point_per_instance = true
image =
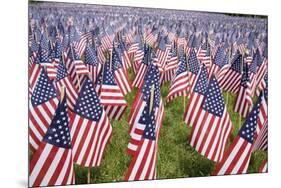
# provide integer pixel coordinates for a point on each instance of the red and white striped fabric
(52, 163)
(110, 95)
(42, 107)
(81, 44)
(50, 69)
(34, 74)
(236, 159)
(261, 140)
(244, 101)
(196, 98)
(151, 39)
(63, 80)
(90, 128)
(140, 75)
(264, 167)
(262, 118)
(171, 67)
(101, 56)
(211, 132)
(133, 48)
(231, 80)
(180, 83)
(162, 55)
(261, 72)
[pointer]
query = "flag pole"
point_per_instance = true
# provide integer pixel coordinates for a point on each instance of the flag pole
(229, 61)
(241, 69)
(151, 97)
(89, 175)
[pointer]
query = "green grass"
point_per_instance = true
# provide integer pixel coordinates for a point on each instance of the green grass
(175, 157)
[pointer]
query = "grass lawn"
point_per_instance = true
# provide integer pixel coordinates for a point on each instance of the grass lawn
(175, 157)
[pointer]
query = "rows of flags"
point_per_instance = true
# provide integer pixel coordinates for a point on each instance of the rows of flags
(79, 62)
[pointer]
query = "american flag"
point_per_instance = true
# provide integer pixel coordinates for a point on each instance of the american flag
(261, 70)
(34, 73)
(82, 43)
(261, 140)
(91, 63)
(212, 129)
(124, 56)
(43, 53)
(151, 38)
(263, 110)
(90, 127)
(180, 83)
(42, 107)
(142, 68)
(63, 80)
(33, 48)
(204, 55)
(193, 68)
(107, 37)
(52, 163)
(76, 68)
(145, 130)
(120, 74)
(244, 101)
(197, 97)
(110, 95)
(171, 65)
(231, 80)
(236, 159)
(162, 53)
(218, 62)
(264, 167)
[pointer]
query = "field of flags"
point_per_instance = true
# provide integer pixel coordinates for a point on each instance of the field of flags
(125, 94)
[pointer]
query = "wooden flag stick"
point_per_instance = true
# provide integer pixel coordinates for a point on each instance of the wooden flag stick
(151, 98)
(89, 175)
(62, 93)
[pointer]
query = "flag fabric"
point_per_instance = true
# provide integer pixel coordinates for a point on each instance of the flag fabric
(243, 102)
(180, 83)
(82, 43)
(119, 73)
(142, 68)
(91, 63)
(146, 128)
(211, 132)
(162, 54)
(193, 68)
(90, 128)
(63, 80)
(110, 94)
(231, 80)
(197, 97)
(126, 62)
(52, 163)
(261, 140)
(218, 62)
(264, 167)
(237, 157)
(171, 65)
(204, 55)
(42, 107)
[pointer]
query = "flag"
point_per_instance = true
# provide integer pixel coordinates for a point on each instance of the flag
(91, 63)
(42, 107)
(264, 167)
(243, 102)
(145, 130)
(82, 43)
(261, 140)
(162, 54)
(231, 80)
(193, 68)
(52, 163)
(110, 95)
(204, 55)
(196, 98)
(120, 74)
(171, 65)
(218, 62)
(237, 157)
(180, 83)
(212, 128)
(124, 56)
(90, 127)
(142, 68)
(63, 80)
